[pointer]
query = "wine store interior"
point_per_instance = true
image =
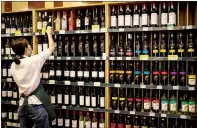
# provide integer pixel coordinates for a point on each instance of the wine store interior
(115, 65)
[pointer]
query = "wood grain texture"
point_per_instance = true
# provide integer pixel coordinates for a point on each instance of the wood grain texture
(8, 6)
(19, 6)
(2, 6)
(36, 4)
(58, 3)
(49, 4)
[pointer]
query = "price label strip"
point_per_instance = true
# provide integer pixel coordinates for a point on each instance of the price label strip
(17, 33)
(67, 83)
(144, 57)
(95, 28)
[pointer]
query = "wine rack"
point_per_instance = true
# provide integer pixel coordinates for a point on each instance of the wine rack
(134, 63)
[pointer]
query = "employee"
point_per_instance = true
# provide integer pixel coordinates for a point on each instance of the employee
(34, 105)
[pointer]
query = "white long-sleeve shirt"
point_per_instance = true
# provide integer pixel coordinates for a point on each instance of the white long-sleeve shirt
(27, 75)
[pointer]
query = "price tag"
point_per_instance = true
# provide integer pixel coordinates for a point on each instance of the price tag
(95, 28)
(6, 58)
(78, 31)
(191, 88)
(163, 115)
(132, 112)
(189, 27)
(183, 116)
(83, 58)
(13, 102)
(175, 87)
(121, 29)
(117, 85)
(26, 34)
(17, 33)
(103, 29)
(80, 82)
(63, 107)
(66, 82)
(5, 35)
(68, 58)
(119, 58)
(142, 86)
(104, 56)
(9, 79)
(91, 109)
(117, 111)
(144, 57)
(51, 81)
(43, 31)
(112, 58)
(62, 32)
(128, 58)
(10, 57)
(170, 27)
(172, 57)
(151, 114)
(97, 58)
(37, 33)
(51, 58)
(97, 84)
(58, 58)
(159, 87)
(145, 28)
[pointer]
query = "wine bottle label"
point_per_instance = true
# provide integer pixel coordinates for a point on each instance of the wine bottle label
(93, 101)
(144, 19)
(54, 122)
(73, 102)
(7, 51)
(86, 74)
(4, 72)
(101, 125)
(78, 23)
(2, 26)
(4, 114)
(51, 72)
(102, 101)
(9, 93)
(136, 19)
(113, 21)
(52, 99)
(74, 123)
(101, 74)
(86, 21)
(128, 19)
(80, 73)
(120, 20)
(173, 105)
(64, 23)
(81, 100)
(44, 24)
(164, 105)
(45, 46)
(9, 124)
(88, 124)
(15, 116)
(58, 73)
(146, 103)
(4, 93)
(94, 125)
(172, 18)
(67, 122)
(15, 95)
(66, 99)
(13, 30)
(94, 74)
(14, 124)
(10, 115)
(164, 18)
(81, 124)
(154, 19)
(12, 52)
(45, 75)
(184, 106)
(72, 73)
(60, 121)
(192, 106)
(192, 80)
(59, 97)
(120, 125)
(155, 104)
(8, 30)
(87, 100)
(39, 25)
(66, 73)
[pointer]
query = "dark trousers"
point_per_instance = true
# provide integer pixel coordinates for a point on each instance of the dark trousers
(33, 115)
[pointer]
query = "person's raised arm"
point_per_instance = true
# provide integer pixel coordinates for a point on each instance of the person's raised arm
(50, 39)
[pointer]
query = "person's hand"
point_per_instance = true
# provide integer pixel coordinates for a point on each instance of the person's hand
(49, 30)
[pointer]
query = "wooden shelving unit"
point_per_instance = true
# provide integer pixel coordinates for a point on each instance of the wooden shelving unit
(186, 20)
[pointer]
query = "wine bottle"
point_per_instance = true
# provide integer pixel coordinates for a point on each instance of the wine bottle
(52, 71)
(13, 25)
(74, 120)
(156, 73)
(10, 92)
(129, 72)
(173, 74)
(121, 46)
(73, 46)
(71, 23)
(137, 73)
(80, 72)
(102, 44)
(121, 99)
(39, 23)
(60, 119)
(74, 96)
(130, 99)
(128, 122)
(59, 47)
(101, 121)
(144, 122)
(163, 45)
(80, 46)
(128, 17)
(154, 15)
(191, 45)
(58, 71)
(121, 17)
(129, 45)
(64, 21)
(86, 72)
(52, 95)
(114, 103)
(191, 75)
(144, 16)
(138, 100)
(136, 16)
(192, 104)
(113, 18)
(45, 20)
(113, 46)
(136, 123)
(155, 46)
(181, 47)
(73, 72)
(94, 72)
(147, 102)
(66, 71)
(87, 97)
(81, 97)
(67, 119)
(4, 92)
(164, 74)
(121, 121)
(88, 20)
(137, 45)
(153, 123)
(3, 31)
(155, 101)
(93, 98)
(184, 108)
(164, 103)
(96, 19)
(66, 94)
(95, 45)
(182, 74)
(87, 46)
(78, 20)
(172, 14)
(102, 97)
(102, 17)
(164, 14)
(81, 120)
(113, 121)
(94, 120)
(87, 120)
(59, 96)
(163, 123)
(173, 103)
(146, 73)
(67, 46)
(58, 22)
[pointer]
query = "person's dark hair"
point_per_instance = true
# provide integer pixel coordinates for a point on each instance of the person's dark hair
(18, 47)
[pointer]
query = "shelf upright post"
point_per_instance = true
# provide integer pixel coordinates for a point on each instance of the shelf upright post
(35, 38)
(107, 42)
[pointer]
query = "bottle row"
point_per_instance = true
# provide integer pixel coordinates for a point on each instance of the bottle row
(156, 73)
(9, 116)
(172, 43)
(11, 24)
(82, 45)
(153, 101)
(76, 96)
(128, 121)
(75, 20)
